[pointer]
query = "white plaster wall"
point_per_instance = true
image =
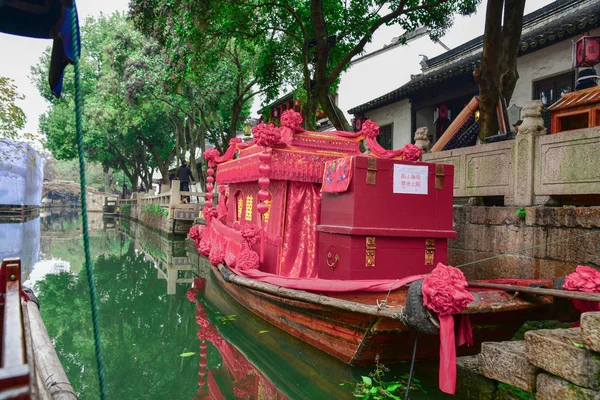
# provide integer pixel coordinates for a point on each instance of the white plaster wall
(541, 64)
(382, 73)
(398, 114)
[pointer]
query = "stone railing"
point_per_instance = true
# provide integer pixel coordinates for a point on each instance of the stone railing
(527, 170)
(168, 198)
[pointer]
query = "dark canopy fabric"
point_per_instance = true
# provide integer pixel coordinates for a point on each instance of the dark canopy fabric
(43, 19)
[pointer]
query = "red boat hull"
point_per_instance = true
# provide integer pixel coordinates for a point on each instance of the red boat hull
(357, 338)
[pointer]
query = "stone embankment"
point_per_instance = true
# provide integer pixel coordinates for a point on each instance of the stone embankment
(550, 364)
(530, 243)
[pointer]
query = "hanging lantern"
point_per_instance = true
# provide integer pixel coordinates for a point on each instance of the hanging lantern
(358, 124)
(586, 51)
(247, 129)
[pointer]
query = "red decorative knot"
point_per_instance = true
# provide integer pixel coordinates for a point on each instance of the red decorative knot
(584, 279)
(209, 212)
(203, 352)
(291, 119)
(201, 382)
(370, 129)
(266, 135)
(204, 247)
(191, 295)
(196, 232)
(216, 255)
(203, 345)
(410, 152)
(210, 155)
(247, 259)
(250, 232)
(444, 290)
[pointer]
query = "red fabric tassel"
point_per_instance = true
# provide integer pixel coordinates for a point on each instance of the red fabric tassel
(447, 374)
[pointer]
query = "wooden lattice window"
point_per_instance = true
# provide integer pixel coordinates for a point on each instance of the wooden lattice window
(385, 138)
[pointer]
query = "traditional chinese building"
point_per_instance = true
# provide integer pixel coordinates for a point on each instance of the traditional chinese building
(435, 97)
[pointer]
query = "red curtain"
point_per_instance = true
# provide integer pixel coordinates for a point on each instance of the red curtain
(303, 209)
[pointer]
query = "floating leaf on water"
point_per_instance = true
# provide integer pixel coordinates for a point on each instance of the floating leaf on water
(262, 332)
(187, 354)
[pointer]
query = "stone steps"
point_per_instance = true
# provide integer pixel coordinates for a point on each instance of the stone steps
(550, 364)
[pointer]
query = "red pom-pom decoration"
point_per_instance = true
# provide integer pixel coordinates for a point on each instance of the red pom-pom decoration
(266, 135)
(204, 247)
(216, 255)
(291, 119)
(370, 129)
(212, 212)
(410, 152)
(445, 290)
(248, 259)
(211, 154)
(584, 279)
(250, 232)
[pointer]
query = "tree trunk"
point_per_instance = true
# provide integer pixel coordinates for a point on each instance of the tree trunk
(236, 110)
(106, 171)
(487, 76)
(498, 74)
(511, 38)
(309, 114)
(333, 112)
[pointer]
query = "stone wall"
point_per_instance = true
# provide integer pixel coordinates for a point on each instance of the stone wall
(485, 232)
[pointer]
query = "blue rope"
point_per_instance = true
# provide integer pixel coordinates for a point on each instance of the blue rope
(86, 238)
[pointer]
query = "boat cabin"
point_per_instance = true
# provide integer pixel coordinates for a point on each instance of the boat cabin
(336, 213)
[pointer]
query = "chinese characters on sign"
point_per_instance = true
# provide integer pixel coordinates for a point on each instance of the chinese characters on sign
(410, 179)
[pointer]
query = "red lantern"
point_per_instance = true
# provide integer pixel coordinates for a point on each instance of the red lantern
(587, 51)
(358, 124)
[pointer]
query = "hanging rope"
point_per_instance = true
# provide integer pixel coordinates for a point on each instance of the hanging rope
(529, 248)
(86, 238)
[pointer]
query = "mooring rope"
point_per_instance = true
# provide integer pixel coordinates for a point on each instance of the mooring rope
(529, 248)
(86, 239)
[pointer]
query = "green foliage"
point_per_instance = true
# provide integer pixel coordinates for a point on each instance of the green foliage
(127, 209)
(224, 319)
(303, 44)
(155, 210)
(375, 388)
(521, 213)
(578, 345)
(516, 392)
(125, 126)
(12, 117)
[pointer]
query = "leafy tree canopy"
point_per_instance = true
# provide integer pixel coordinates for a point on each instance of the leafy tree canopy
(303, 43)
(12, 117)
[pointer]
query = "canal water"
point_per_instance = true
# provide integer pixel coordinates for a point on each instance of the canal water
(159, 339)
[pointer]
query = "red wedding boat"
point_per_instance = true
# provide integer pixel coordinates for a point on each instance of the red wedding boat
(323, 241)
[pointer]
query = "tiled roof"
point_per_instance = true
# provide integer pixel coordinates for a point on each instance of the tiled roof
(557, 21)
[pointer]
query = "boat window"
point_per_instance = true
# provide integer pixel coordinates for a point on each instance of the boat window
(239, 204)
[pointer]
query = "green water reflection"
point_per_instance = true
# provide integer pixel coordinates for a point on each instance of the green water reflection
(147, 322)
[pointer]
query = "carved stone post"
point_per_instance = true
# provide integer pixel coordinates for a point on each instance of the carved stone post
(523, 153)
